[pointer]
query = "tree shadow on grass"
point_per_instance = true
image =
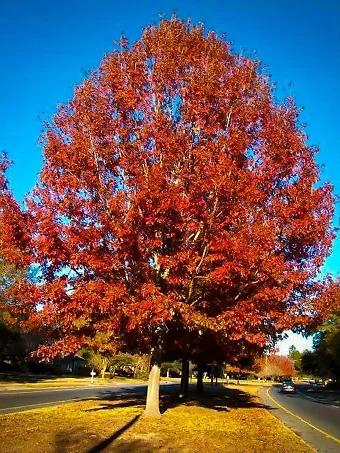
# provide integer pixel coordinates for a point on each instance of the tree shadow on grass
(66, 440)
(75, 439)
(131, 446)
(66, 443)
(105, 443)
(141, 446)
(218, 398)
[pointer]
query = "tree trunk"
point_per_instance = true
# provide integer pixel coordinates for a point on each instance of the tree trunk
(199, 386)
(113, 372)
(212, 374)
(168, 373)
(185, 377)
(104, 366)
(152, 399)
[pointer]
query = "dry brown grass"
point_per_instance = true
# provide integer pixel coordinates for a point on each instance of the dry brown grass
(228, 421)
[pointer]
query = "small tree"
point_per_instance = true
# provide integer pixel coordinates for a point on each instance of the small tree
(95, 360)
(167, 367)
(121, 361)
(295, 356)
(143, 365)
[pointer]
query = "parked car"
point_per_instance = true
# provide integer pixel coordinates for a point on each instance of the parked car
(288, 387)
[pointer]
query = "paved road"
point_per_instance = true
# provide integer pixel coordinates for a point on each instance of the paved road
(316, 422)
(21, 400)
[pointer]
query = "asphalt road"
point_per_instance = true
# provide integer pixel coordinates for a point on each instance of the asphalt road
(318, 423)
(21, 400)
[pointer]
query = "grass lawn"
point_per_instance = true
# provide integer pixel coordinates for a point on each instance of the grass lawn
(228, 420)
(31, 381)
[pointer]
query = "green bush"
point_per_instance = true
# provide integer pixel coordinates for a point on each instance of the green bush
(142, 374)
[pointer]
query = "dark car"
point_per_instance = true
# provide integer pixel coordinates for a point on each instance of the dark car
(288, 387)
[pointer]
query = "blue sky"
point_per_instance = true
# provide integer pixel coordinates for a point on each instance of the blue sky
(46, 46)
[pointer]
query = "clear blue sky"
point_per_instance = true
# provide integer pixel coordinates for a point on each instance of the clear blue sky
(45, 46)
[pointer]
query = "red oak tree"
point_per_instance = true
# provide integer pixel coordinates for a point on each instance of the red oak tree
(275, 365)
(176, 195)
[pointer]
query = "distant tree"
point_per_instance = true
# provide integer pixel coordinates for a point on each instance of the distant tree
(295, 356)
(96, 360)
(16, 345)
(275, 365)
(100, 352)
(309, 363)
(122, 360)
(168, 367)
(237, 371)
(327, 346)
(324, 360)
(142, 367)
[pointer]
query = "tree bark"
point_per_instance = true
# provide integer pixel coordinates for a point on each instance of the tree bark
(199, 386)
(112, 372)
(185, 377)
(152, 399)
(103, 367)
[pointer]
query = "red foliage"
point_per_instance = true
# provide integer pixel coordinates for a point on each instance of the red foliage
(175, 191)
(275, 365)
(14, 237)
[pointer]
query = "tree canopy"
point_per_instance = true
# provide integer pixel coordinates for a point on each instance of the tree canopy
(176, 196)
